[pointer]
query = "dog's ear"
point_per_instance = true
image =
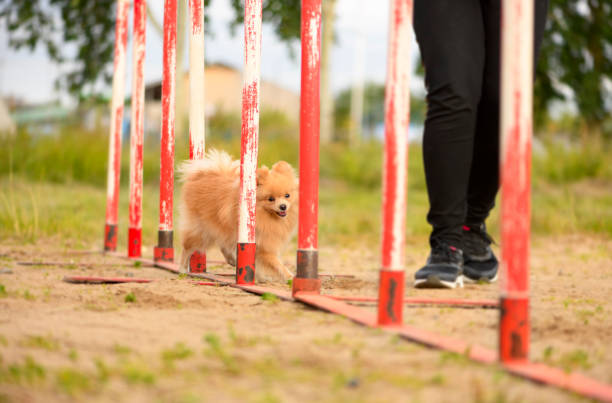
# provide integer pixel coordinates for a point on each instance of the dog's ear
(282, 167)
(262, 174)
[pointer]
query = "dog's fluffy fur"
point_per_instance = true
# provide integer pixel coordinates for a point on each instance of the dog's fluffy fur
(209, 211)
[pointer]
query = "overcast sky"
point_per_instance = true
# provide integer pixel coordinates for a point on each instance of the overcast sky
(31, 76)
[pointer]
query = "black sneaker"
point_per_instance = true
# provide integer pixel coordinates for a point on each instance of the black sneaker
(443, 268)
(479, 262)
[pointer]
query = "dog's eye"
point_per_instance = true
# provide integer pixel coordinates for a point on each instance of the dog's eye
(271, 198)
(287, 196)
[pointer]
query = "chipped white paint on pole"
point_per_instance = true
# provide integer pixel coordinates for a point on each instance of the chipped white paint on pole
(250, 121)
(166, 184)
(114, 152)
(137, 120)
(196, 80)
(397, 109)
(310, 32)
(516, 131)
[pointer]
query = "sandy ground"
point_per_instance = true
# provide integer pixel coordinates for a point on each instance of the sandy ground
(174, 341)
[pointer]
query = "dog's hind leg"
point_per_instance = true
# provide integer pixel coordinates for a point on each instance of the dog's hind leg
(192, 241)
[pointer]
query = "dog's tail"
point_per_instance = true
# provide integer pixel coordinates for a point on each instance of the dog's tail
(214, 161)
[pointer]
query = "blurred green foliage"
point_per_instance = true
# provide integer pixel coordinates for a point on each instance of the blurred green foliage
(576, 52)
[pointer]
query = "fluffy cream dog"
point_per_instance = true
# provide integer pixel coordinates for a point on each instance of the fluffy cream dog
(209, 211)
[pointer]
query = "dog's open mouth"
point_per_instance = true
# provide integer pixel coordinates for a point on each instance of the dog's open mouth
(281, 213)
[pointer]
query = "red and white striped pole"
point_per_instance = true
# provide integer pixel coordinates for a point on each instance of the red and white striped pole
(515, 170)
(397, 110)
(114, 149)
(197, 261)
(137, 129)
(164, 250)
(307, 276)
(245, 262)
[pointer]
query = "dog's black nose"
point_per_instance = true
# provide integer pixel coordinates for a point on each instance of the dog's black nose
(283, 207)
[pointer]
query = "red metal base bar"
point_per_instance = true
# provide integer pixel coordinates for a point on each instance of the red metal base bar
(213, 283)
(134, 242)
(391, 292)
(104, 280)
(245, 263)
(531, 371)
(87, 264)
(480, 303)
(197, 263)
(110, 237)
(514, 329)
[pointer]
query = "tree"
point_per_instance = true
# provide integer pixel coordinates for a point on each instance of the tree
(577, 53)
(77, 34)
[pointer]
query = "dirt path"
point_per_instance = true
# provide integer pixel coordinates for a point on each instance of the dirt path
(173, 341)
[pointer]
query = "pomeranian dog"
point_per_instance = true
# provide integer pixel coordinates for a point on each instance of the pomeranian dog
(209, 211)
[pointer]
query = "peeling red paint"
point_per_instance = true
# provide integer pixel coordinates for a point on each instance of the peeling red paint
(137, 131)
(197, 7)
(515, 172)
(250, 129)
(249, 132)
(166, 185)
(309, 125)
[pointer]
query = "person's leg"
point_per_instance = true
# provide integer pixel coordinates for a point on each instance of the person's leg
(450, 34)
(484, 173)
(480, 262)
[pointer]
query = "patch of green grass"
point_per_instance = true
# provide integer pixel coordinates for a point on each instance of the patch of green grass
(569, 193)
(134, 372)
(215, 349)
(29, 372)
(179, 352)
(268, 397)
(73, 355)
(3, 342)
(266, 296)
(72, 381)
(548, 353)
(452, 357)
(130, 298)
(137, 264)
(3, 292)
(28, 295)
(577, 359)
(43, 342)
(122, 350)
(103, 372)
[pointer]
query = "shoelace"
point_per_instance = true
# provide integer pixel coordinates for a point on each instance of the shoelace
(475, 237)
(442, 250)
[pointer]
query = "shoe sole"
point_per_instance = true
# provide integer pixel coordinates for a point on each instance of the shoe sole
(435, 282)
(486, 280)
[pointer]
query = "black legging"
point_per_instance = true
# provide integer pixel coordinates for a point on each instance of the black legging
(460, 49)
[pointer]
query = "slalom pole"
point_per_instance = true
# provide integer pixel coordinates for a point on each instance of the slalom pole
(307, 276)
(114, 147)
(245, 262)
(515, 170)
(197, 261)
(397, 109)
(137, 130)
(164, 250)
